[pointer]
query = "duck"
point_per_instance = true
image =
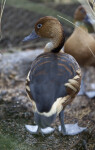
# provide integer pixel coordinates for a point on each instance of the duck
(82, 17)
(53, 80)
(81, 45)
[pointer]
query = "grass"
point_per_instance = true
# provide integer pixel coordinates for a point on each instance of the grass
(37, 8)
(12, 139)
(7, 143)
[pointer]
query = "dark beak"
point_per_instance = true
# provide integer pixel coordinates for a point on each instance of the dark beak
(32, 36)
(87, 20)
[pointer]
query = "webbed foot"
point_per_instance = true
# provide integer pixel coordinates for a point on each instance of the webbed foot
(47, 130)
(34, 129)
(90, 94)
(72, 129)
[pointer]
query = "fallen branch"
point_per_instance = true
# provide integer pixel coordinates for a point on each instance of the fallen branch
(1, 13)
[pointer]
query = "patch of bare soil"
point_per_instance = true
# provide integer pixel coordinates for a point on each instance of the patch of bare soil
(16, 111)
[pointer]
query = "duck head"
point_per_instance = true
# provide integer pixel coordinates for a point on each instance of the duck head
(80, 14)
(49, 27)
(82, 19)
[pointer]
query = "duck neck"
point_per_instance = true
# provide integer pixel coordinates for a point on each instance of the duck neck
(81, 25)
(80, 29)
(56, 43)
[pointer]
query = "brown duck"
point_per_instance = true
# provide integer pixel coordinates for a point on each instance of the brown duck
(53, 80)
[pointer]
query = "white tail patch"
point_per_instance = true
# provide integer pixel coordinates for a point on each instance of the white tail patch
(62, 101)
(56, 107)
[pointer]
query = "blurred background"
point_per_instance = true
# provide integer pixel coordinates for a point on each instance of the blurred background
(19, 18)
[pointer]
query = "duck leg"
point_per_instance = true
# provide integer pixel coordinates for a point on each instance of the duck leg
(69, 129)
(89, 94)
(61, 118)
(82, 89)
(35, 129)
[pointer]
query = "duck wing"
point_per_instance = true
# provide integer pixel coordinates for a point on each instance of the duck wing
(47, 78)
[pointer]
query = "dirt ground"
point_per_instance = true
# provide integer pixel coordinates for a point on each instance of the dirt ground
(19, 22)
(16, 111)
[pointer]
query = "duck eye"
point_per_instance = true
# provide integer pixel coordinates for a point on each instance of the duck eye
(83, 11)
(39, 26)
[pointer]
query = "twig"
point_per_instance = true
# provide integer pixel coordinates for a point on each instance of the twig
(1, 13)
(80, 29)
(2, 8)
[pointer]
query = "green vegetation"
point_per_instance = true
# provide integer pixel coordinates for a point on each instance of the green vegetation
(12, 136)
(39, 8)
(7, 143)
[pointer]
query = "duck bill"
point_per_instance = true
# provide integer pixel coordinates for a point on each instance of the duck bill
(32, 36)
(87, 19)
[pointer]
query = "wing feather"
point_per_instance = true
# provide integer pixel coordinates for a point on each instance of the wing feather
(49, 74)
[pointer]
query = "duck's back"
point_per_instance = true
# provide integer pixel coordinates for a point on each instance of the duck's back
(79, 45)
(49, 72)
